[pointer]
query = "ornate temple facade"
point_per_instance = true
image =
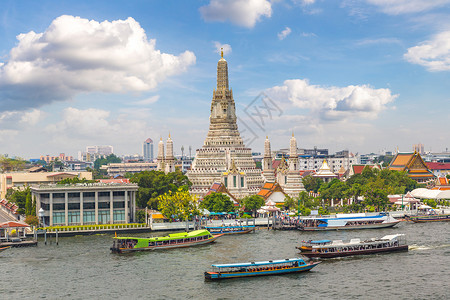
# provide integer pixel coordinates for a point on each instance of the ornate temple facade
(224, 157)
(166, 162)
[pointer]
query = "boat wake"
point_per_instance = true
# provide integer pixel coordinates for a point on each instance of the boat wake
(415, 247)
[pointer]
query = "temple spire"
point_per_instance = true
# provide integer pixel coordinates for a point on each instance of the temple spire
(222, 74)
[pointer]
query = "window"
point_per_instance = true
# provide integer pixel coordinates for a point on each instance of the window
(88, 195)
(234, 181)
(103, 217)
(102, 205)
(74, 195)
(59, 218)
(59, 206)
(103, 194)
(119, 215)
(89, 205)
(120, 204)
(74, 217)
(59, 195)
(88, 217)
(74, 206)
(226, 182)
(45, 196)
(45, 206)
(121, 193)
(242, 181)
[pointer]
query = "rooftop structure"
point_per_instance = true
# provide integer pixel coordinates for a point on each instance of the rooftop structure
(413, 164)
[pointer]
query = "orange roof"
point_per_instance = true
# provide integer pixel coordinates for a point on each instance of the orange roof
(402, 159)
(443, 180)
(13, 224)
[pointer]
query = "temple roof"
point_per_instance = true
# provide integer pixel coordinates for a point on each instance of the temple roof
(269, 188)
(325, 171)
(412, 163)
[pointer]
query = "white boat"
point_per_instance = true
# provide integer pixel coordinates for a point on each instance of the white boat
(347, 221)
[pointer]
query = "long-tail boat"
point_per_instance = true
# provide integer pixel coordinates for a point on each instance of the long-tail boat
(174, 240)
(230, 229)
(430, 218)
(262, 268)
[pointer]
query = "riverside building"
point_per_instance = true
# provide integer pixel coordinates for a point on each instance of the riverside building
(84, 204)
(223, 157)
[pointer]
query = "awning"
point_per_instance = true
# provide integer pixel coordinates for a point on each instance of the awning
(12, 224)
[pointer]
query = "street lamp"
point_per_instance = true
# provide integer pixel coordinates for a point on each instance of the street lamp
(41, 215)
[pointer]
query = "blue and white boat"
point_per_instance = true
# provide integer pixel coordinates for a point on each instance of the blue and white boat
(262, 268)
(347, 221)
(230, 229)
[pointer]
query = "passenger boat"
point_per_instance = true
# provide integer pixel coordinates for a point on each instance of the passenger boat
(262, 268)
(230, 229)
(430, 218)
(338, 248)
(347, 221)
(174, 240)
(4, 248)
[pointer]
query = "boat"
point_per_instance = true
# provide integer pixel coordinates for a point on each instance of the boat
(230, 229)
(338, 248)
(4, 248)
(347, 221)
(430, 218)
(262, 268)
(174, 240)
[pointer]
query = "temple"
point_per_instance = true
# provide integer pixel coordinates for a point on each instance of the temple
(224, 157)
(413, 165)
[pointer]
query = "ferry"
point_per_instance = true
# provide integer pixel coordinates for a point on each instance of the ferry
(338, 248)
(174, 240)
(430, 218)
(230, 229)
(4, 248)
(347, 221)
(262, 268)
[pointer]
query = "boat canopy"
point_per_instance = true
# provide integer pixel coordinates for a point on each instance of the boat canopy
(224, 227)
(260, 263)
(172, 236)
(320, 242)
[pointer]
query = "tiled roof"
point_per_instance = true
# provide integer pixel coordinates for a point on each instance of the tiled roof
(402, 159)
(438, 166)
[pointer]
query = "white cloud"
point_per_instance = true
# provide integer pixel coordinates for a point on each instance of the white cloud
(20, 119)
(147, 101)
(367, 42)
(283, 34)
(225, 47)
(75, 55)
(395, 7)
(239, 12)
(334, 103)
(433, 54)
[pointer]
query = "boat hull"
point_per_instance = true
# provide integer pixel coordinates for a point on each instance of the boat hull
(445, 218)
(162, 247)
(353, 253)
(368, 226)
(213, 276)
(232, 232)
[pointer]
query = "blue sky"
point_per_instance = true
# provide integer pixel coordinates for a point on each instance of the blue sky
(367, 75)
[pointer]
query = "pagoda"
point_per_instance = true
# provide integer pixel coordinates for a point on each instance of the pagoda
(224, 157)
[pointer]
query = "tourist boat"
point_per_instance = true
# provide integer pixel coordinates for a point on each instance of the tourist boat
(4, 248)
(262, 268)
(430, 218)
(347, 221)
(230, 229)
(338, 248)
(174, 240)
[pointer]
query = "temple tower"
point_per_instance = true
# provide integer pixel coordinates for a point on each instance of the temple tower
(160, 157)
(294, 184)
(223, 153)
(170, 159)
(268, 171)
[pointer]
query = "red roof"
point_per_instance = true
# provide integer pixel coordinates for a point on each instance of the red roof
(13, 224)
(123, 180)
(438, 166)
(275, 164)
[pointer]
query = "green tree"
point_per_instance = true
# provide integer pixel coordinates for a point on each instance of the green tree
(290, 203)
(253, 203)
(28, 205)
(312, 183)
(217, 202)
(75, 180)
(19, 197)
(178, 204)
(107, 160)
(32, 220)
(155, 183)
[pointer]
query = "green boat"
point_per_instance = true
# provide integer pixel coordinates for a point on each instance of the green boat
(173, 240)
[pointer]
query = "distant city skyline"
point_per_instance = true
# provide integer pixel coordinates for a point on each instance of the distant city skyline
(367, 76)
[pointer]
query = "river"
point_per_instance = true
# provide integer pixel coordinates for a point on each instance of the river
(82, 267)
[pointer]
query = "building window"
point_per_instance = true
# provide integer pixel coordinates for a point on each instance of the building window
(45, 206)
(102, 205)
(59, 218)
(74, 217)
(119, 215)
(89, 205)
(74, 206)
(226, 182)
(119, 204)
(59, 206)
(242, 181)
(121, 193)
(73, 195)
(59, 195)
(45, 196)
(103, 217)
(88, 217)
(103, 194)
(88, 195)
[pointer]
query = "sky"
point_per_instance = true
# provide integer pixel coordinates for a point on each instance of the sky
(362, 75)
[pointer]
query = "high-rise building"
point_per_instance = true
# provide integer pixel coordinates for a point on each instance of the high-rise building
(224, 157)
(102, 150)
(147, 149)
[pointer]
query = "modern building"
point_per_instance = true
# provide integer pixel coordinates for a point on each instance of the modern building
(20, 180)
(147, 150)
(223, 157)
(84, 204)
(114, 169)
(102, 150)
(62, 157)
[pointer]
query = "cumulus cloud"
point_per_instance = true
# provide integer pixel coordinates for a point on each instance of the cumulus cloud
(222, 47)
(433, 54)
(395, 7)
(283, 34)
(243, 13)
(16, 119)
(147, 101)
(75, 55)
(334, 103)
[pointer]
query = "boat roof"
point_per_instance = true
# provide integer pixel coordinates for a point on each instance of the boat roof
(258, 263)
(320, 242)
(224, 227)
(172, 236)
(357, 241)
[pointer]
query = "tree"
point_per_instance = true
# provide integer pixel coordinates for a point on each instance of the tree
(11, 164)
(75, 180)
(312, 183)
(253, 203)
(155, 183)
(32, 220)
(19, 197)
(217, 202)
(290, 203)
(28, 205)
(179, 204)
(107, 160)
